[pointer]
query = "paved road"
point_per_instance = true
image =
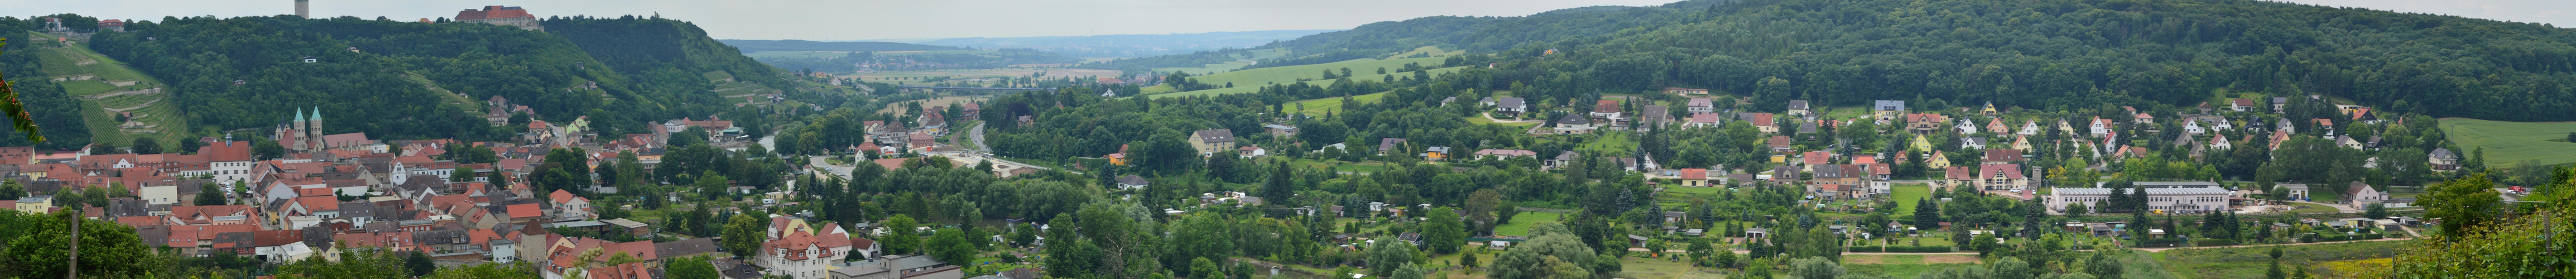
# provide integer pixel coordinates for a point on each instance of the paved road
(2338, 208)
(978, 136)
(827, 167)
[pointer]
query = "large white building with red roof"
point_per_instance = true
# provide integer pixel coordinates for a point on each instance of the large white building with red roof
(801, 250)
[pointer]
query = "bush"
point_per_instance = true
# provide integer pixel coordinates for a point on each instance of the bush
(1865, 249)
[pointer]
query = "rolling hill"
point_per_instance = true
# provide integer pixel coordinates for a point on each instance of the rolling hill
(2053, 54)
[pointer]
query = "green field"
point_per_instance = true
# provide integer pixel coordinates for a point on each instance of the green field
(1241, 87)
(1906, 194)
(1320, 106)
(1521, 223)
(1902, 266)
(2509, 143)
(1482, 120)
(2252, 261)
(1610, 143)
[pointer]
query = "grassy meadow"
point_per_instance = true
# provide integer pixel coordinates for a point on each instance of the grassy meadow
(2509, 143)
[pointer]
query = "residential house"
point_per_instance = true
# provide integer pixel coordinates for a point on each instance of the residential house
(2001, 177)
(2240, 104)
(1761, 121)
(1575, 125)
(2003, 156)
(1132, 182)
(1954, 177)
(1209, 142)
(1887, 110)
(1700, 105)
(2359, 194)
(1695, 178)
(1702, 120)
(2445, 160)
(1510, 106)
(1799, 108)
(800, 250)
(1504, 154)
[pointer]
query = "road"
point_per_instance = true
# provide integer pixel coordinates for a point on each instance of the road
(977, 135)
(827, 167)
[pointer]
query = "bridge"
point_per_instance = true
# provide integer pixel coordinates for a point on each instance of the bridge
(1005, 89)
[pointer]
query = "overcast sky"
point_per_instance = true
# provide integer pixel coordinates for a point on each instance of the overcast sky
(915, 19)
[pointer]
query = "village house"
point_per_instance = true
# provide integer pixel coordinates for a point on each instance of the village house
(1209, 142)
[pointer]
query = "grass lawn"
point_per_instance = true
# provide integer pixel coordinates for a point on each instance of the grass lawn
(1846, 113)
(1611, 143)
(1482, 120)
(2252, 261)
(1906, 194)
(1521, 223)
(1659, 268)
(1320, 106)
(2509, 143)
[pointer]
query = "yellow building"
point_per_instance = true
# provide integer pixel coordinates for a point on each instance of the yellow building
(37, 205)
(1921, 144)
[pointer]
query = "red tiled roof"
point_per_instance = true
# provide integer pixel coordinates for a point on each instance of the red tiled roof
(524, 210)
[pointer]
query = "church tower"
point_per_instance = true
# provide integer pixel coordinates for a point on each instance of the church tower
(315, 128)
(293, 135)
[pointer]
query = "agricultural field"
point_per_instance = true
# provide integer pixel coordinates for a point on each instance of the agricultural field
(2509, 143)
(1318, 107)
(1360, 68)
(1253, 87)
(1257, 55)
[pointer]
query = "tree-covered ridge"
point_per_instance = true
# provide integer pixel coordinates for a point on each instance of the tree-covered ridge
(2041, 54)
(203, 57)
(57, 115)
(644, 69)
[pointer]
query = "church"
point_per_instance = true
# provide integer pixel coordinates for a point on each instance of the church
(302, 135)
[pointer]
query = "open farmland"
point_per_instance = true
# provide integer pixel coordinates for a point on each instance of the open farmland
(2513, 142)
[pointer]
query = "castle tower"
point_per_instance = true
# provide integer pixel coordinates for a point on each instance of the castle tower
(304, 9)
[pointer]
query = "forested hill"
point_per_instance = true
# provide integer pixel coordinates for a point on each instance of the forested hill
(674, 56)
(804, 45)
(2058, 54)
(392, 79)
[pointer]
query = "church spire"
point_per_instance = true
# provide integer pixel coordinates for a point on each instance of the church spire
(317, 114)
(299, 116)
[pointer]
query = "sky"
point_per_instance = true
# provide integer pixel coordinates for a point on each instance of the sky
(836, 20)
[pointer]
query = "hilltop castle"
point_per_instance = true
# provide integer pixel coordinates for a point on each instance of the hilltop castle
(499, 15)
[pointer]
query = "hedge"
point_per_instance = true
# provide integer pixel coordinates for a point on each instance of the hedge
(1919, 249)
(2213, 242)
